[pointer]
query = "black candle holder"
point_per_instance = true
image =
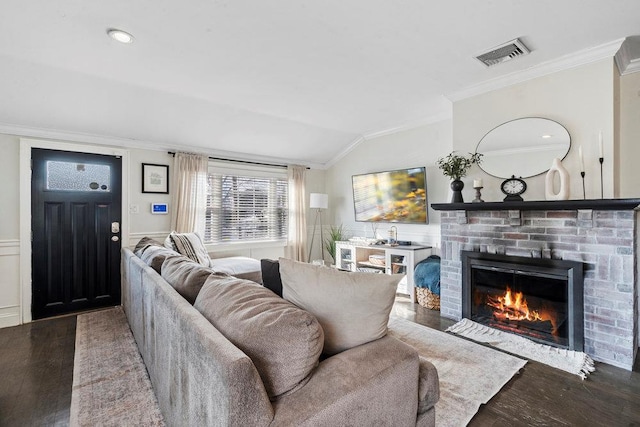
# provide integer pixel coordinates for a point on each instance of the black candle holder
(584, 192)
(601, 159)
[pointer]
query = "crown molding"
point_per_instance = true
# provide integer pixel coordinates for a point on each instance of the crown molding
(359, 140)
(440, 117)
(628, 57)
(70, 136)
(389, 131)
(129, 143)
(582, 57)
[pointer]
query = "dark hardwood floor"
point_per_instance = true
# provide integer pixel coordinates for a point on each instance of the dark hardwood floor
(36, 373)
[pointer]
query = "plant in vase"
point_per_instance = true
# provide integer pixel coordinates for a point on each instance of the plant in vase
(336, 234)
(455, 166)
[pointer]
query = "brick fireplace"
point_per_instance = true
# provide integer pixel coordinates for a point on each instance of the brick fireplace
(600, 234)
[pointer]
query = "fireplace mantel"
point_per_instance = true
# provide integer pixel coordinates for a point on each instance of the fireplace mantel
(542, 205)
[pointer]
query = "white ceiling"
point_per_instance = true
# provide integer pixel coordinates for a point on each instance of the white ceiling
(291, 80)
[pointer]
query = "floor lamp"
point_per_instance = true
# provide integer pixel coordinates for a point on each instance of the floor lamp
(319, 202)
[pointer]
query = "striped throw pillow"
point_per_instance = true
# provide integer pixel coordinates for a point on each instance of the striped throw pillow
(191, 246)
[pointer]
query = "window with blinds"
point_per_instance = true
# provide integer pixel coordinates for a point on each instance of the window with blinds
(246, 208)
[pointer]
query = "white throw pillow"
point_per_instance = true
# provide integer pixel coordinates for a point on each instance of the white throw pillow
(353, 308)
(189, 245)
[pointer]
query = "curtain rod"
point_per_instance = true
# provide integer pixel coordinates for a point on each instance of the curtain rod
(242, 161)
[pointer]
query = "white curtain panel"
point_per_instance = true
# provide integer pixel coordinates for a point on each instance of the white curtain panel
(297, 236)
(189, 200)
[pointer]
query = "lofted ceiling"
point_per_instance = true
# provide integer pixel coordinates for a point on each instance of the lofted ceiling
(286, 80)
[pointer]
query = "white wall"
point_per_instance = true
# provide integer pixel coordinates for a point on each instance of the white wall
(581, 99)
(9, 232)
(421, 146)
(629, 152)
(144, 223)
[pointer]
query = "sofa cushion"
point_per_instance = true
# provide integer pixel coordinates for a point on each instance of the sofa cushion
(283, 341)
(154, 256)
(353, 308)
(191, 246)
(186, 276)
(271, 275)
(145, 243)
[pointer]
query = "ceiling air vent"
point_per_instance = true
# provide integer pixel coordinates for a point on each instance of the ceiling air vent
(504, 52)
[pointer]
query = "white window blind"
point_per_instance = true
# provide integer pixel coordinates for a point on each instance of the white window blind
(246, 208)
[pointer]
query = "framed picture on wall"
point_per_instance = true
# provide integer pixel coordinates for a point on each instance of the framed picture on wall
(155, 178)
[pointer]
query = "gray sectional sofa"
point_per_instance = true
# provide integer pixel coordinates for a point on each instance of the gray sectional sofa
(201, 378)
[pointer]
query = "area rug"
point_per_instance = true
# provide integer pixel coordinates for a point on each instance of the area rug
(470, 374)
(111, 386)
(570, 361)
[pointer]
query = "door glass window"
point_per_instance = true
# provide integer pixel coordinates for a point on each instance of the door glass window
(71, 176)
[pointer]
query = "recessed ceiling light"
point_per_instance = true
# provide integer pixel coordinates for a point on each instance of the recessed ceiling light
(119, 35)
(547, 136)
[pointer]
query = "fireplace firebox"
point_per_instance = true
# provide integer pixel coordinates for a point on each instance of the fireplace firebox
(541, 299)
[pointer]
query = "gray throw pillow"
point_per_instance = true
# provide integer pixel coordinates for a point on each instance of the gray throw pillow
(144, 244)
(283, 341)
(186, 276)
(353, 308)
(154, 256)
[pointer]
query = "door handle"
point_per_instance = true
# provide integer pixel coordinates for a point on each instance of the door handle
(115, 227)
(115, 238)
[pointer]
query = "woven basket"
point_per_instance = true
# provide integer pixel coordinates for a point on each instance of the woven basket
(428, 299)
(377, 260)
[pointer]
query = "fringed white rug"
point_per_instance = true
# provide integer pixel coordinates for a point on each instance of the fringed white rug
(570, 361)
(470, 374)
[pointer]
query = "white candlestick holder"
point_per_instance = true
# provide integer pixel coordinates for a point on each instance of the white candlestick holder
(478, 198)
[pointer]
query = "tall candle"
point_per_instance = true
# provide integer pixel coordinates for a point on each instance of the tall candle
(477, 183)
(600, 144)
(581, 159)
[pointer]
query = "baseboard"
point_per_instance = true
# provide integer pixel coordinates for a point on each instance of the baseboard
(9, 316)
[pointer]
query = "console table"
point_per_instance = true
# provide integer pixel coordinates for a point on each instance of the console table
(355, 256)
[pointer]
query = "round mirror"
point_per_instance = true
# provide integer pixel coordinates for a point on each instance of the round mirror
(523, 147)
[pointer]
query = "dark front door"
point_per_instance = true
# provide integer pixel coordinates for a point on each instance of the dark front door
(76, 214)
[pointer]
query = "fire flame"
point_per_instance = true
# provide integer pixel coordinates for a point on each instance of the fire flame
(513, 306)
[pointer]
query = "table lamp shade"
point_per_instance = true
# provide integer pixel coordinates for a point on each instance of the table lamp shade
(318, 201)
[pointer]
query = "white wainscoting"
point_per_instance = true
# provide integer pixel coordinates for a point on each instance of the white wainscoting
(9, 283)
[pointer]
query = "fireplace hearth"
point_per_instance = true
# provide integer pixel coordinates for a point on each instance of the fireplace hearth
(541, 299)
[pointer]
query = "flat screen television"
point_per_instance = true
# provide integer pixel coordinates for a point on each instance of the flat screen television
(393, 196)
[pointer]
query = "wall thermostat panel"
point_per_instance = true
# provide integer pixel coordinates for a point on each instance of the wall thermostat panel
(159, 208)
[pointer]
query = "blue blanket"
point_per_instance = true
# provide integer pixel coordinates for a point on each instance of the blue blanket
(427, 274)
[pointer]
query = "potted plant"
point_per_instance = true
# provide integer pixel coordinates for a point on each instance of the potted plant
(336, 234)
(456, 166)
